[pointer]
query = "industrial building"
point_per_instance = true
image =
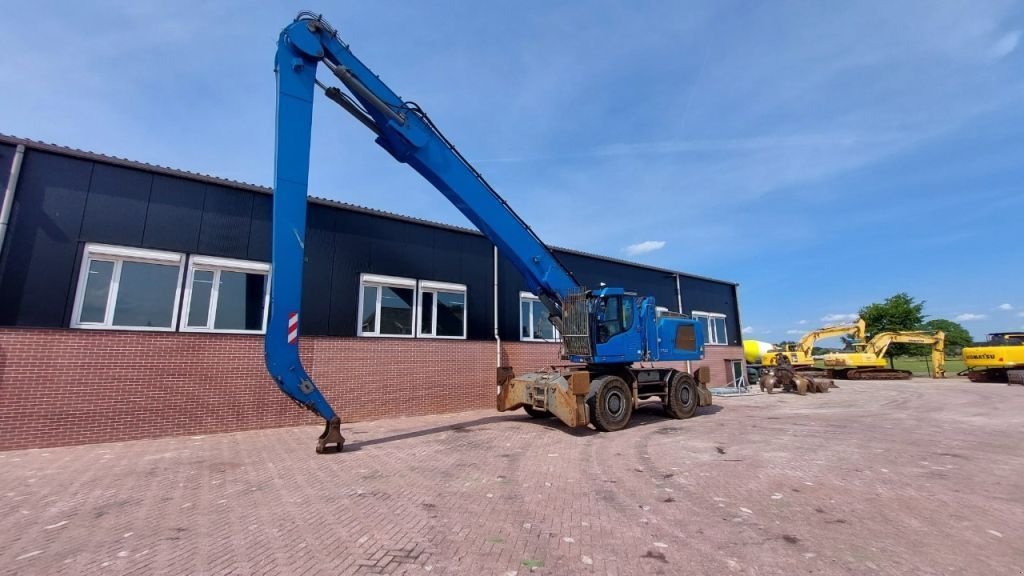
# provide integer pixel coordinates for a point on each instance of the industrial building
(133, 300)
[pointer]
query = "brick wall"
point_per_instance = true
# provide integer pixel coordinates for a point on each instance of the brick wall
(61, 387)
(718, 358)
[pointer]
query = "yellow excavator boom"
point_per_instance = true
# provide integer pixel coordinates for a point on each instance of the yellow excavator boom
(803, 355)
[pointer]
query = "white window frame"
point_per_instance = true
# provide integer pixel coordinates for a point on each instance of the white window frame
(432, 287)
(391, 282)
(217, 265)
(530, 297)
(120, 254)
(710, 332)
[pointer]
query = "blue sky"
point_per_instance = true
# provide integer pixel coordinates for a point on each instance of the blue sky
(824, 155)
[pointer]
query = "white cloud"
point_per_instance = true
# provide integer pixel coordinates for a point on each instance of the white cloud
(967, 317)
(794, 331)
(645, 247)
(1005, 307)
(838, 317)
(1021, 314)
(1006, 44)
(748, 329)
(802, 322)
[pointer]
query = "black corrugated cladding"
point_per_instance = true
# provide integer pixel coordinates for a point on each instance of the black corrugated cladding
(42, 240)
(175, 214)
(710, 296)
(342, 244)
(66, 200)
(63, 203)
(6, 158)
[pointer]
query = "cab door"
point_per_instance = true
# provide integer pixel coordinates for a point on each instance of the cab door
(618, 333)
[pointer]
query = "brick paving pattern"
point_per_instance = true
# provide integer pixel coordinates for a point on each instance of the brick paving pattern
(915, 477)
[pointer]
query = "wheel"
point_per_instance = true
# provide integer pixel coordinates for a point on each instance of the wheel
(682, 397)
(611, 404)
(535, 413)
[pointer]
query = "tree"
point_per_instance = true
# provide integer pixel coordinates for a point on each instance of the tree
(898, 313)
(956, 335)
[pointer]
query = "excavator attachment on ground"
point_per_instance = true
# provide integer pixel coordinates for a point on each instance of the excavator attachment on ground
(790, 379)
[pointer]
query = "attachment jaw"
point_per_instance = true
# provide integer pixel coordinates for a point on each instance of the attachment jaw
(331, 436)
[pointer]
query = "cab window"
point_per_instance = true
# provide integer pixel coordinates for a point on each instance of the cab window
(615, 315)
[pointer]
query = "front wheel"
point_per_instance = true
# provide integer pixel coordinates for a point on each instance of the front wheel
(682, 397)
(611, 404)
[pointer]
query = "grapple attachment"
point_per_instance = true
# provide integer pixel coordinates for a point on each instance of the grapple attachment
(560, 393)
(331, 437)
(790, 380)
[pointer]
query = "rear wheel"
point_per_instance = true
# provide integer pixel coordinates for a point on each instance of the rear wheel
(611, 404)
(682, 396)
(536, 413)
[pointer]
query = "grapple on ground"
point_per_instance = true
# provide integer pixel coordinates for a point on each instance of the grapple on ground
(790, 380)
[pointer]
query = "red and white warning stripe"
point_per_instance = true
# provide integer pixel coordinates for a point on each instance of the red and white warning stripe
(293, 327)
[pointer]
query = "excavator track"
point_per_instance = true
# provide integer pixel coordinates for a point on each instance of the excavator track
(997, 375)
(874, 374)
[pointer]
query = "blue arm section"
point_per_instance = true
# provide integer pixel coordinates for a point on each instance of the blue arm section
(295, 82)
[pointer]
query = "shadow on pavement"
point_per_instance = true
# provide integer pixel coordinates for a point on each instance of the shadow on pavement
(644, 415)
(468, 426)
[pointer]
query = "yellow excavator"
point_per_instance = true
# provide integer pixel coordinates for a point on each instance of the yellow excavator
(801, 356)
(867, 361)
(994, 360)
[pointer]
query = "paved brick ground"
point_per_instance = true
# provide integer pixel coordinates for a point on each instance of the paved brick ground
(900, 478)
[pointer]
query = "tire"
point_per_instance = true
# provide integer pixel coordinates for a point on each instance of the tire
(611, 404)
(535, 413)
(682, 397)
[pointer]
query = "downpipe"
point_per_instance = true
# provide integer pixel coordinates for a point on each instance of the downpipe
(502, 374)
(497, 336)
(679, 306)
(12, 187)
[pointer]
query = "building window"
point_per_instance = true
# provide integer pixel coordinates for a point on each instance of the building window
(442, 310)
(223, 295)
(127, 288)
(386, 306)
(533, 320)
(714, 327)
